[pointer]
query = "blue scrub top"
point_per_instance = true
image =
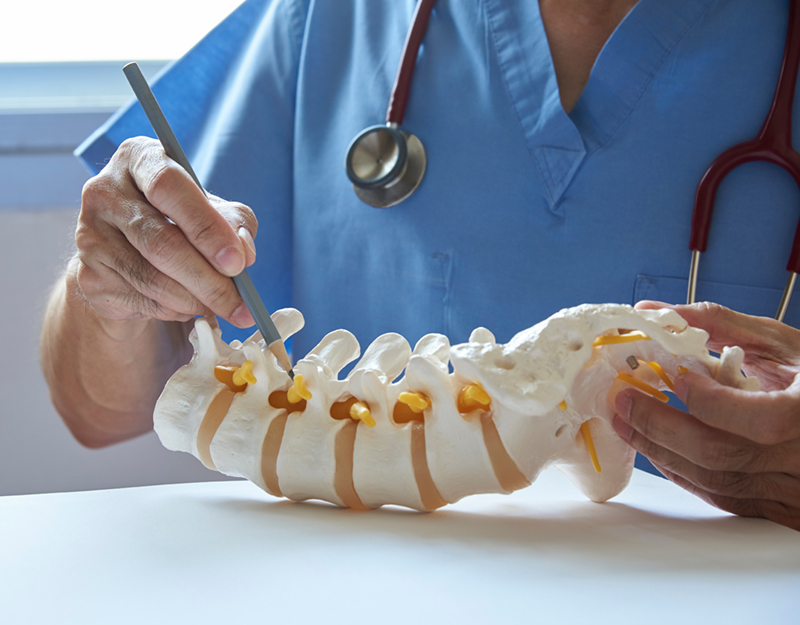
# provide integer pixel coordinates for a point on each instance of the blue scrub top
(524, 209)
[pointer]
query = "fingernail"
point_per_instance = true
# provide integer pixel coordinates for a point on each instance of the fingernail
(242, 317)
(247, 239)
(649, 304)
(231, 261)
(623, 405)
(624, 430)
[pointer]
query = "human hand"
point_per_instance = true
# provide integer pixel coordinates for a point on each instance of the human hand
(736, 449)
(152, 246)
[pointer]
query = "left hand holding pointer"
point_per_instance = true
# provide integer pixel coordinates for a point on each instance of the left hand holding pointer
(738, 450)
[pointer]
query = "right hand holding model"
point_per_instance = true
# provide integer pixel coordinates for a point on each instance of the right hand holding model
(152, 246)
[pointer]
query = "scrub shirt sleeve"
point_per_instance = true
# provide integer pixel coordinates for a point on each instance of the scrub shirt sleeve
(230, 101)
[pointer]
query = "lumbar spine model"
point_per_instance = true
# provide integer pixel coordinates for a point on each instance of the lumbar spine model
(432, 437)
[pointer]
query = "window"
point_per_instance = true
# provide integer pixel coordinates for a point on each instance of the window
(61, 76)
(101, 30)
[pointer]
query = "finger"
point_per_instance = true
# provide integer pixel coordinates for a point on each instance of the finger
(115, 187)
(121, 257)
(777, 511)
(109, 294)
(164, 246)
(768, 418)
(243, 220)
(735, 484)
(725, 327)
(169, 188)
(671, 429)
(249, 246)
(102, 246)
(111, 237)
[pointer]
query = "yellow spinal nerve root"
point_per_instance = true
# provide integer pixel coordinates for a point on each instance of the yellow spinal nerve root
(473, 397)
(244, 374)
(236, 377)
(622, 338)
(642, 386)
(587, 437)
(659, 371)
(360, 412)
(298, 391)
(417, 402)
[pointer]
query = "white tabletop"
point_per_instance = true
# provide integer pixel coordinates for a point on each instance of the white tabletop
(227, 553)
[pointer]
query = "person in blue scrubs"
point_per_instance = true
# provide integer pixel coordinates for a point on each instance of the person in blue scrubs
(565, 140)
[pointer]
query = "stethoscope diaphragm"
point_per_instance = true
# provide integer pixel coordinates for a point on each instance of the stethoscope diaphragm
(385, 165)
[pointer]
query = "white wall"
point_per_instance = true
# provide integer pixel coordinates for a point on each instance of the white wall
(37, 452)
(40, 184)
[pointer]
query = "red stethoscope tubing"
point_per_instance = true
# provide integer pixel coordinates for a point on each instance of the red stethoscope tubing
(405, 71)
(386, 164)
(772, 145)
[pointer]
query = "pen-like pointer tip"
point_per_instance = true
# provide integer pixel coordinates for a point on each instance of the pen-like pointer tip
(278, 349)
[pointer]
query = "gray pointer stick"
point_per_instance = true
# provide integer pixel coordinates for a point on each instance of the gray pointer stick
(173, 149)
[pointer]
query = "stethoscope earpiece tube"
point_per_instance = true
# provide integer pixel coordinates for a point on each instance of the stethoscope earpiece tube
(405, 72)
(385, 163)
(772, 145)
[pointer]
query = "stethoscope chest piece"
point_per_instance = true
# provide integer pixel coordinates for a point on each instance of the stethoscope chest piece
(385, 165)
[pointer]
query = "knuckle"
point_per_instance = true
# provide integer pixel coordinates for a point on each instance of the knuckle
(97, 194)
(726, 483)
(772, 431)
(784, 458)
(176, 302)
(205, 234)
(247, 217)
(714, 310)
(92, 189)
(760, 458)
(238, 215)
(87, 279)
(134, 302)
(134, 146)
(717, 455)
(156, 175)
(161, 182)
(713, 456)
(731, 455)
(647, 447)
(739, 507)
(651, 427)
(152, 308)
(661, 456)
(221, 298)
(160, 242)
(86, 238)
(751, 508)
(134, 149)
(137, 271)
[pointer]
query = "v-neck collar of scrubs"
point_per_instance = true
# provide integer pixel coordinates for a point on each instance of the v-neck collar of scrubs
(559, 142)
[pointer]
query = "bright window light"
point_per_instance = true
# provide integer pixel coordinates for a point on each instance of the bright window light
(44, 31)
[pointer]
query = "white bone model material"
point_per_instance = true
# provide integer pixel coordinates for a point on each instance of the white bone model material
(432, 437)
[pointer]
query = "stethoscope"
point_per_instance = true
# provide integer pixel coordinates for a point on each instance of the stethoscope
(772, 145)
(386, 164)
